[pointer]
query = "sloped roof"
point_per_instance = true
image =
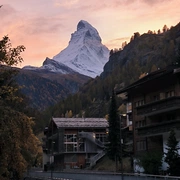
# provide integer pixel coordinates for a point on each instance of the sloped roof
(150, 77)
(81, 122)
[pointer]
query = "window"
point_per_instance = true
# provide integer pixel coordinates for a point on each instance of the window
(141, 145)
(129, 107)
(141, 123)
(139, 103)
(144, 123)
(170, 93)
(70, 142)
(101, 137)
(156, 97)
(137, 124)
(171, 117)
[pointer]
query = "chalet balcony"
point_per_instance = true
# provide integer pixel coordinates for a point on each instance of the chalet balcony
(161, 106)
(158, 128)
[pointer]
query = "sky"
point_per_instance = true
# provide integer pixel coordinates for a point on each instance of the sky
(44, 27)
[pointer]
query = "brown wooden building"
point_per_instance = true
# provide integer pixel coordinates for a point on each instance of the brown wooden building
(155, 103)
(74, 142)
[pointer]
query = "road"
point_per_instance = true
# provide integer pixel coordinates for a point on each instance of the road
(91, 175)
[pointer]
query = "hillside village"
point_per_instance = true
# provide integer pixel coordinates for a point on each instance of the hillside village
(152, 110)
(83, 126)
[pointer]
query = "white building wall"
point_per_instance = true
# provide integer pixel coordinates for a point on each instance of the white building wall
(45, 159)
(137, 166)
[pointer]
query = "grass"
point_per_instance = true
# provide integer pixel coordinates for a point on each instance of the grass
(106, 164)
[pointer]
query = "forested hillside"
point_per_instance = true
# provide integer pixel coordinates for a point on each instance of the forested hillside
(44, 89)
(145, 53)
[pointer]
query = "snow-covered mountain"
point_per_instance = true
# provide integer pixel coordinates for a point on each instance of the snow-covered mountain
(52, 66)
(85, 54)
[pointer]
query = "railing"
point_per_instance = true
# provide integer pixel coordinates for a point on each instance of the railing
(158, 128)
(156, 107)
(95, 158)
(91, 138)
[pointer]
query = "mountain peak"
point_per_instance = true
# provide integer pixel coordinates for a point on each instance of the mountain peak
(85, 53)
(85, 32)
(82, 24)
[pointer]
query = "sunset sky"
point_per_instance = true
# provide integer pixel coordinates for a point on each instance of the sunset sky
(44, 27)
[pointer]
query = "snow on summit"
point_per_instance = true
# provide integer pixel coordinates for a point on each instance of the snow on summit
(85, 53)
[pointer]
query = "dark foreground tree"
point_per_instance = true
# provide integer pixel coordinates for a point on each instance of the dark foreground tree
(172, 157)
(18, 144)
(114, 146)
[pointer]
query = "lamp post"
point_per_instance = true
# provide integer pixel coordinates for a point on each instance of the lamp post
(52, 159)
(121, 144)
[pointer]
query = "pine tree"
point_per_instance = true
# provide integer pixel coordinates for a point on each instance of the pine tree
(114, 146)
(172, 157)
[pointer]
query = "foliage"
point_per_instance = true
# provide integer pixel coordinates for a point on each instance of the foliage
(18, 144)
(8, 55)
(114, 146)
(172, 157)
(151, 162)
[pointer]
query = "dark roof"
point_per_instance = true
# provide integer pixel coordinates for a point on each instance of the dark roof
(150, 77)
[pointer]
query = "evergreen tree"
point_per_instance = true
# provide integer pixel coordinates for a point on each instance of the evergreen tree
(114, 146)
(172, 157)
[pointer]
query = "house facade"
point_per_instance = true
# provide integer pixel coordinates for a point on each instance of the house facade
(74, 142)
(153, 105)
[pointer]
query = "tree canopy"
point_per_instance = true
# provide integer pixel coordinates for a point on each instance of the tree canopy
(18, 144)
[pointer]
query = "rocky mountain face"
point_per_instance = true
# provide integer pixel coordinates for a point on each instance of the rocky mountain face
(85, 54)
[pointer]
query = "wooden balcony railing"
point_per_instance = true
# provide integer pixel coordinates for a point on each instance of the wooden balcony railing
(164, 105)
(158, 128)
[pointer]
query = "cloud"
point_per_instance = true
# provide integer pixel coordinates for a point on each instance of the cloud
(116, 43)
(152, 2)
(65, 4)
(42, 25)
(7, 10)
